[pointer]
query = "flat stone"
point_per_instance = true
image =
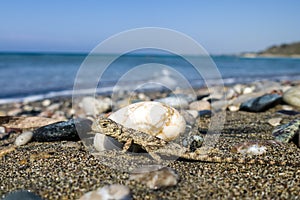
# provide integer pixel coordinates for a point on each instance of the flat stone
(234, 108)
(286, 133)
(69, 130)
(175, 102)
(275, 121)
(155, 178)
(200, 105)
(288, 112)
(93, 106)
(261, 103)
(22, 194)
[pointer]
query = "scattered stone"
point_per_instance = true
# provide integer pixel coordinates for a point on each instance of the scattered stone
(175, 102)
(193, 142)
(248, 90)
(292, 96)
(143, 97)
(230, 93)
(27, 108)
(200, 105)
(2, 130)
(234, 108)
(69, 130)
(14, 112)
(24, 138)
(54, 107)
(261, 103)
(287, 132)
(109, 192)
(93, 106)
(288, 112)
(287, 107)
(22, 194)
(205, 113)
(266, 86)
(188, 97)
(3, 133)
(155, 178)
(275, 121)
(203, 95)
(238, 88)
(219, 105)
(194, 113)
(150, 117)
(46, 103)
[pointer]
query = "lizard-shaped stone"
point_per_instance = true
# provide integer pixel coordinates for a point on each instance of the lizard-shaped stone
(156, 146)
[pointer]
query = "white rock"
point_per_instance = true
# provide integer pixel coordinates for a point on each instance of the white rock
(238, 88)
(2, 129)
(275, 121)
(53, 107)
(109, 192)
(154, 118)
(287, 107)
(23, 138)
(194, 113)
(233, 108)
(248, 90)
(92, 106)
(155, 178)
(103, 142)
(292, 96)
(200, 105)
(176, 102)
(46, 102)
(230, 93)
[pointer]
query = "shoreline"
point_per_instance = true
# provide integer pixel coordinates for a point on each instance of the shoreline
(255, 55)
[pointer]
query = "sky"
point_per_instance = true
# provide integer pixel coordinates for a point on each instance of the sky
(220, 26)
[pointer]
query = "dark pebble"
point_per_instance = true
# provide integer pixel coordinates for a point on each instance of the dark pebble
(286, 133)
(193, 142)
(262, 103)
(211, 100)
(288, 112)
(205, 113)
(199, 97)
(69, 130)
(22, 194)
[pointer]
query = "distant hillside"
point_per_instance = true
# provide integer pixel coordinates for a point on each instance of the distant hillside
(283, 50)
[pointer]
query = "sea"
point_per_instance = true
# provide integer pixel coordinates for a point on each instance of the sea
(35, 76)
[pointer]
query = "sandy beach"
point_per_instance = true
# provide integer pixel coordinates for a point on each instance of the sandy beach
(67, 169)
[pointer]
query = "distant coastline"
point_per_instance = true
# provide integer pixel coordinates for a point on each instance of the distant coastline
(291, 50)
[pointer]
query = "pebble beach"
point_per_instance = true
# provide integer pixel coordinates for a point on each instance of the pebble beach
(262, 113)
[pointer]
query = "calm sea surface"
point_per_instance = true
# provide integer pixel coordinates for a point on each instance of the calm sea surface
(44, 75)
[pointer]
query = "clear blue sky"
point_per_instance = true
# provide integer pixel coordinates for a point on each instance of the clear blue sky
(220, 26)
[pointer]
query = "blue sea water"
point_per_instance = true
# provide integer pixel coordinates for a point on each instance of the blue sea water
(46, 75)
